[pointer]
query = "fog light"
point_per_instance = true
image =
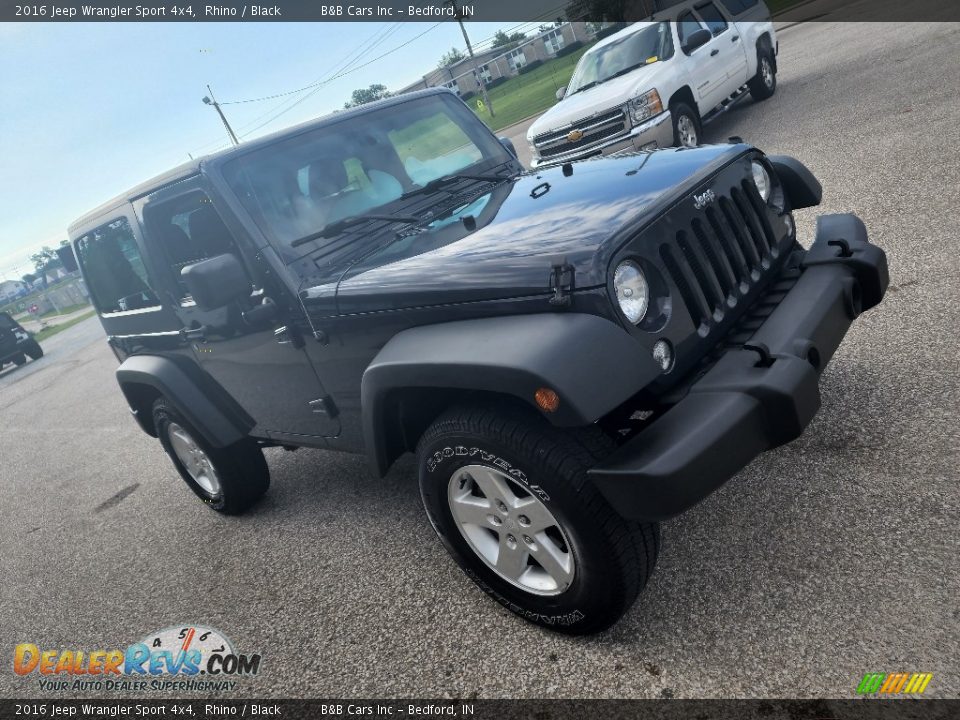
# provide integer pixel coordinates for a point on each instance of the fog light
(663, 355)
(547, 400)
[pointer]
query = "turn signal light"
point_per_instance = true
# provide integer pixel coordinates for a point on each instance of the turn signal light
(547, 400)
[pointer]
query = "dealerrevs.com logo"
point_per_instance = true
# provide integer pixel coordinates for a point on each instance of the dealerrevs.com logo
(894, 683)
(187, 658)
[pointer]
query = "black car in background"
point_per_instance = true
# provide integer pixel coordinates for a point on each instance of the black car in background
(16, 344)
(574, 354)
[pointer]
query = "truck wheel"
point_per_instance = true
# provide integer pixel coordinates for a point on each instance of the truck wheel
(20, 360)
(686, 126)
(34, 350)
(229, 479)
(764, 83)
(509, 497)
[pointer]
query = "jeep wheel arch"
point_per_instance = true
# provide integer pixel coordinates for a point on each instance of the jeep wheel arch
(144, 378)
(591, 363)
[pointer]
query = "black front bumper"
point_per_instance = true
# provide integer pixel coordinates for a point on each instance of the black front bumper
(757, 397)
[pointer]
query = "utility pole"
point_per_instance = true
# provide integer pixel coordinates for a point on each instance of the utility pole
(210, 100)
(476, 71)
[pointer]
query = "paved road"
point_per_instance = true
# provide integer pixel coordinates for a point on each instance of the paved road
(826, 559)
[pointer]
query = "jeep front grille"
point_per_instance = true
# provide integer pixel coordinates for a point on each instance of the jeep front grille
(726, 247)
(595, 130)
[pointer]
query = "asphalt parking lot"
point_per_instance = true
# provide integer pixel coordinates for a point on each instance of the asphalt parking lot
(826, 559)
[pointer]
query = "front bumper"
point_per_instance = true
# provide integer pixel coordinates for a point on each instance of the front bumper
(757, 397)
(654, 133)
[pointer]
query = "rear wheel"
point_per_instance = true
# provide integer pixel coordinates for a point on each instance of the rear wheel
(686, 126)
(764, 83)
(19, 360)
(229, 479)
(34, 350)
(509, 497)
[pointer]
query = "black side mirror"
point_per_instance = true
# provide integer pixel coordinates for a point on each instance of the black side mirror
(508, 144)
(217, 282)
(699, 38)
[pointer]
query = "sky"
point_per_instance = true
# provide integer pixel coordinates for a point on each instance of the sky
(89, 110)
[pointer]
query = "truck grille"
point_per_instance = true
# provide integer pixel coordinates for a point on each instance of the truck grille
(595, 129)
(727, 247)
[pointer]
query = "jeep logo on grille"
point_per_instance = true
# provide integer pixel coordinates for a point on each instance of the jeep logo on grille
(703, 199)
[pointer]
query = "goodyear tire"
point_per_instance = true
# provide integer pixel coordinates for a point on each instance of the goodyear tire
(509, 497)
(764, 83)
(229, 479)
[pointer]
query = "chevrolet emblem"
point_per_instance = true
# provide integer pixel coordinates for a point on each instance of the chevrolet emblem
(574, 135)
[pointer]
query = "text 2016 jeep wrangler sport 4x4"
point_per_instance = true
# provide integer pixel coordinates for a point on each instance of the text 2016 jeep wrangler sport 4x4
(573, 355)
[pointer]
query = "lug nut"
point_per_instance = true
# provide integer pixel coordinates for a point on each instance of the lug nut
(528, 540)
(511, 541)
(524, 520)
(501, 506)
(494, 520)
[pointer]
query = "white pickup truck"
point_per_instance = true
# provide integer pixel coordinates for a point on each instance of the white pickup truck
(655, 83)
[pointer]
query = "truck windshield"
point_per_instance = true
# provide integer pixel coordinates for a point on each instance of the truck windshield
(633, 50)
(296, 186)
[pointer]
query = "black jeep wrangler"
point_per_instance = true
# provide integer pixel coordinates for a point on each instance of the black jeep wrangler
(573, 354)
(16, 344)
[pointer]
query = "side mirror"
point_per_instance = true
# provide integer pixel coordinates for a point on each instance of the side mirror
(508, 144)
(699, 38)
(561, 92)
(217, 282)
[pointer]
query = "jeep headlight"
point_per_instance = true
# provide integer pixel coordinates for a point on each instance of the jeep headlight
(645, 106)
(761, 178)
(633, 293)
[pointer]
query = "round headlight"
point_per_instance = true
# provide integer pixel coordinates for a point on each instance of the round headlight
(761, 178)
(633, 294)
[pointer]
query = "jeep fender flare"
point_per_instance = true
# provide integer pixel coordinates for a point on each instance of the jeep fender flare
(593, 365)
(143, 378)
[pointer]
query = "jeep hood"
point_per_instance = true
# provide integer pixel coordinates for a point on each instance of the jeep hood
(521, 228)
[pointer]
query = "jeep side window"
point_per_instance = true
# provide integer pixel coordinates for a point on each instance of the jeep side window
(114, 270)
(188, 229)
(712, 17)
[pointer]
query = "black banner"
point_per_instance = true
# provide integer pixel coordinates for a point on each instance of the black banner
(439, 10)
(489, 709)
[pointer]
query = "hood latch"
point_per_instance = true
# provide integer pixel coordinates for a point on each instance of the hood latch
(561, 281)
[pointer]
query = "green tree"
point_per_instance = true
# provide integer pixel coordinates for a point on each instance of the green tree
(451, 57)
(45, 260)
(362, 96)
(502, 40)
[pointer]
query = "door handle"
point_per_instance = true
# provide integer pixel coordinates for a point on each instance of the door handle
(734, 38)
(197, 333)
(714, 52)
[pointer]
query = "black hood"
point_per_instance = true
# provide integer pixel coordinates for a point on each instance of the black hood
(521, 228)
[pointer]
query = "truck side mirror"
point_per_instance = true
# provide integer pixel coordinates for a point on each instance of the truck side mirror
(508, 144)
(699, 38)
(561, 92)
(217, 282)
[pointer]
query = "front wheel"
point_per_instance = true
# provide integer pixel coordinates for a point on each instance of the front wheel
(764, 83)
(509, 497)
(20, 359)
(34, 350)
(686, 126)
(229, 479)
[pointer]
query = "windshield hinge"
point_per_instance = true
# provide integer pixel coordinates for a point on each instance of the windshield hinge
(561, 281)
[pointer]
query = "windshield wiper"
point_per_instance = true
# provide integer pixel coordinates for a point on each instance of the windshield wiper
(441, 182)
(337, 227)
(618, 73)
(589, 85)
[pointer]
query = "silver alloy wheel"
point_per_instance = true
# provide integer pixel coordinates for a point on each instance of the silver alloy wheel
(687, 130)
(511, 530)
(766, 72)
(195, 460)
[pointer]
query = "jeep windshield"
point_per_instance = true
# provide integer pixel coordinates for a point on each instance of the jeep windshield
(301, 189)
(620, 56)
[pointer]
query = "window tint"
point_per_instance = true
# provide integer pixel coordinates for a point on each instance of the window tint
(687, 25)
(188, 229)
(712, 17)
(113, 268)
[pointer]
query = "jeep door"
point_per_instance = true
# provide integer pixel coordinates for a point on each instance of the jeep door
(252, 348)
